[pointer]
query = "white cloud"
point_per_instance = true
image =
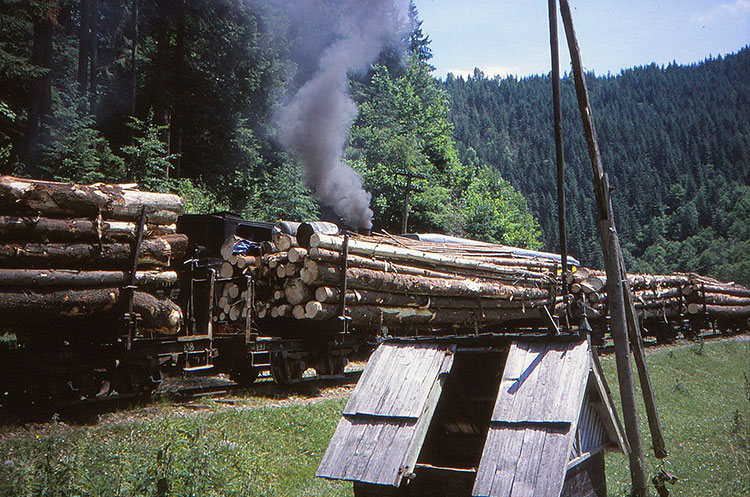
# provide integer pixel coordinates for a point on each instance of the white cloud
(489, 71)
(720, 12)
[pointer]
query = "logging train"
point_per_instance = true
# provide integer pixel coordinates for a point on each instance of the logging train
(104, 288)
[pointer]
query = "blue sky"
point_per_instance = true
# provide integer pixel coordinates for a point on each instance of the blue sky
(512, 37)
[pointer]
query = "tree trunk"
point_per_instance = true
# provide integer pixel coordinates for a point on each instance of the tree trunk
(720, 311)
(161, 63)
(63, 199)
(175, 123)
(75, 278)
(157, 315)
(374, 315)
(736, 290)
(719, 299)
(79, 229)
(84, 44)
(40, 94)
(93, 54)
(511, 273)
(331, 295)
(297, 292)
(154, 252)
(325, 274)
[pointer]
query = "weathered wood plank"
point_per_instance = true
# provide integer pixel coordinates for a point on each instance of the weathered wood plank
(398, 381)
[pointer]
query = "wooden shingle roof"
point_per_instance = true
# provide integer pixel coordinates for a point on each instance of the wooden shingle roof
(531, 431)
(386, 419)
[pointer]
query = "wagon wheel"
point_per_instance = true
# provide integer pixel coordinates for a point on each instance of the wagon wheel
(285, 371)
(329, 364)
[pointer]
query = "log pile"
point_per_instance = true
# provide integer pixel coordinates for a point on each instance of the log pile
(713, 299)
(664, 297)
(66, 253)
(397, 282)
(232, 293)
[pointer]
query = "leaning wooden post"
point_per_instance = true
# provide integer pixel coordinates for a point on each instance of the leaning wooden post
(615, 276)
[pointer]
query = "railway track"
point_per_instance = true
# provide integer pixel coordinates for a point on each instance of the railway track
(183, 391)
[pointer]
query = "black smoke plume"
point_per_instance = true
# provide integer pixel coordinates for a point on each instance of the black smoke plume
(314, 125)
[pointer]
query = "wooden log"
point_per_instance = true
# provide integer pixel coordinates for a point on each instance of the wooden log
(232, 290)
(74, 278)
(333, 257)
(284, 310)
(223, 303)
(154, 252)
(298, 312)
(63, 199)
(157, 315)
(291, 270)
(226, 270)
(281, 271)
(273, 260)
(80, 229)
(393, 252)
(283, 241)
(297, 292)
(719, 299)
(331, 295)
(373, 315)
(246, 261)
(721, 311)
(597, 282)
(642, 296)
(234, 312)
(296, 254)
(319, 274)
(733, 290)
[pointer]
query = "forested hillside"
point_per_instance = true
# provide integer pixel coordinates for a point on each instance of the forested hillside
(675, 141)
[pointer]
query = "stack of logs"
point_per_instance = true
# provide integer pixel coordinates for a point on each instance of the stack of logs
(408, 285)
(66, 254)
(232, 299)
(398, 283)
(665, 297)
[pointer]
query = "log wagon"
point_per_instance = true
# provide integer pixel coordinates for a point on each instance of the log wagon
(87, 292)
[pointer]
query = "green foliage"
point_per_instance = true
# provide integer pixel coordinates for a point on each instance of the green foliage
(494, 211)
(282, 194)
(198, 198)
(6, 145)
(148, 159)
(76, 150)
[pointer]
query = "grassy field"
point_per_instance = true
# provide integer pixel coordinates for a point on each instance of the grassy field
(267, 447)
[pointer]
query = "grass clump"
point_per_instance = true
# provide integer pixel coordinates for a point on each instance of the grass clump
(703, 395)
(255, 452)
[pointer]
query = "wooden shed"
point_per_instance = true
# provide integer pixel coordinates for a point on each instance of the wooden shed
(481, 417)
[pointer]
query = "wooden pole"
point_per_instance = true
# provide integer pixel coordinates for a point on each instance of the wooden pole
(559, 156)
(611, 249)
(405, 215)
